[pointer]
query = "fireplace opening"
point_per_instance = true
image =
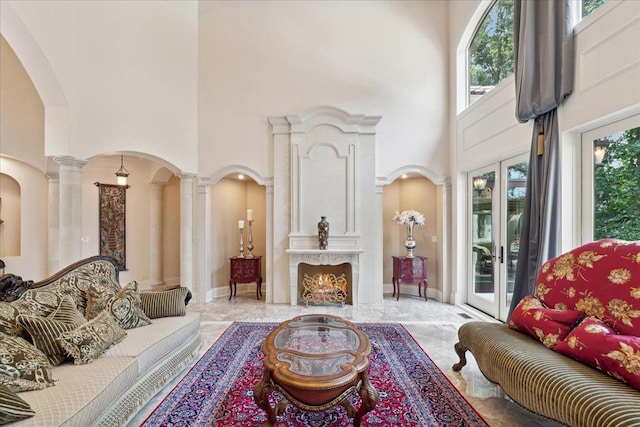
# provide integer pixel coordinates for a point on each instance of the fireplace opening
(324, 284)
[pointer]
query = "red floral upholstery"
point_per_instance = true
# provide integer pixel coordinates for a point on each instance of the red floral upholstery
(595, 343)
(601, 278)
(548, 325)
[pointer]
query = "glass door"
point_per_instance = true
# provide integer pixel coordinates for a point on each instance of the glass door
(497, 203)
(484, 211)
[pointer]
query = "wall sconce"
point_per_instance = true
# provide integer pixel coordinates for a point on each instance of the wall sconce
(122, 173)
(479, 183)
(599, 151)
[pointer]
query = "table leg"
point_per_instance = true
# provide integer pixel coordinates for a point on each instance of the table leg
(259, 289)
(426, 284)
(393, 280)
(231, 282)
(369, 396)
(398, 290)
(261, 396)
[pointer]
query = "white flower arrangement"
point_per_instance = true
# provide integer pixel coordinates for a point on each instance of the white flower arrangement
(409, 216)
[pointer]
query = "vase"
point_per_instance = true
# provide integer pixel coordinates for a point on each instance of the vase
(323, 232)
(410, 244)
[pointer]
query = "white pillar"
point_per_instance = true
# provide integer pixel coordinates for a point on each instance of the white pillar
(444, 243)
(186, 231)
(155, 239)
(269, 244)
(53, 216)
(203, 284)
(379, 245)
(70, 218)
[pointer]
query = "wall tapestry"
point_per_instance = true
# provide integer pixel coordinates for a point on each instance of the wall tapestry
(112, 206)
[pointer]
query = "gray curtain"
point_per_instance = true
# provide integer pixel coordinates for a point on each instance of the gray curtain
(543, 49)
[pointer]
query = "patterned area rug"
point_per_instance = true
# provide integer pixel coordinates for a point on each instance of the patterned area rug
(218, 390)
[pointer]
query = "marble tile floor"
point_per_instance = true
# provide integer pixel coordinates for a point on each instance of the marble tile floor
(434, 326)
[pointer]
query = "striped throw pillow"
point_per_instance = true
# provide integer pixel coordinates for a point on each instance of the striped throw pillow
(45, 331)
(166, 303)
(12, 407)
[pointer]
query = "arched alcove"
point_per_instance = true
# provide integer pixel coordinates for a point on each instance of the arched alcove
(231, 197)
(10, 216)
(418, 188)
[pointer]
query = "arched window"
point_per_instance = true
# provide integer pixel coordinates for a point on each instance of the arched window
(491, 50)
(588, 6)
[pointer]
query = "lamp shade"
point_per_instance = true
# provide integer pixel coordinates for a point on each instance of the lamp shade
(122, 174)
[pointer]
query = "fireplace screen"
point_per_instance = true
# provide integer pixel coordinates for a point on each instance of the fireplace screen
(324, 284)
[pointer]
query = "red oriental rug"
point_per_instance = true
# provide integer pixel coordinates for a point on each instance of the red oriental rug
(218, 390)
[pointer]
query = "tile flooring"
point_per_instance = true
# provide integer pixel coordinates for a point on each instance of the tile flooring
(434, 326)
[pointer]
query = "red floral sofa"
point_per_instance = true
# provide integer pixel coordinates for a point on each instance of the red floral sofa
(571, 352)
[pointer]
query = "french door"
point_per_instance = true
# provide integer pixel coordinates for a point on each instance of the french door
(496, 203)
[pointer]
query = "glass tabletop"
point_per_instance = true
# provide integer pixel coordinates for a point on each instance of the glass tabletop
(316, 345)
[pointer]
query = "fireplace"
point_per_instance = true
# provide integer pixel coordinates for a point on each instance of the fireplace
(324, 284)
(314, 262)
(306, 146)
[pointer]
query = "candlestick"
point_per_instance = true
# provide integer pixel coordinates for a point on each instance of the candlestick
(241, 224)
(250, 245)
(249, 214)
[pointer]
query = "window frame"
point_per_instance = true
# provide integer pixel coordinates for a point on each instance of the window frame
(587, 169)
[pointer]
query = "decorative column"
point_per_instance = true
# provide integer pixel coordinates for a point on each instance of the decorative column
(186, 231)
(53, 224)
(445, 276)
(156, 250)
(70, 217)
(269, 247)
(203, 226)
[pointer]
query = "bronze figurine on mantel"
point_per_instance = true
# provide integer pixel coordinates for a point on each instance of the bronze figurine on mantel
(323, 232)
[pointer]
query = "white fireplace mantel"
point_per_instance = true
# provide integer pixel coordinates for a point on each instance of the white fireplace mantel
(324, 165)
(324, 257)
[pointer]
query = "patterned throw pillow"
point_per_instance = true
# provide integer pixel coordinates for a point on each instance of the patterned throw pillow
(87, 342)
(44, 331)
(22, 366)
(165, 304)
(38, 302)
(12, 407)
(97, 300)
(125, 307)
(600, 278)
(597, 344)
(548, 325)
(8, 323)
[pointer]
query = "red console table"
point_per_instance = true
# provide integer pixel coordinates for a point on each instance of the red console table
(409, 270)
(245, 270)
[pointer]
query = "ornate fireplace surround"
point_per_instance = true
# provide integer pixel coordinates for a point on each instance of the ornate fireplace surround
(324, 165)
(323, 257)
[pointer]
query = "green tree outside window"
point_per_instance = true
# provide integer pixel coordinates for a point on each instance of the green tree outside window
(617, 187)
(491, 50)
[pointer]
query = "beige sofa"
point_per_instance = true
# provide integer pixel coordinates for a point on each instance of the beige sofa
(112, 388)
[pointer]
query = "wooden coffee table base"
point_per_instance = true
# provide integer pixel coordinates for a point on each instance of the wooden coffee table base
(364, 388)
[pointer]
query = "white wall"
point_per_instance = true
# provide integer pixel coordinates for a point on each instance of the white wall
(127, 71)
(21, 111)
(260, 59)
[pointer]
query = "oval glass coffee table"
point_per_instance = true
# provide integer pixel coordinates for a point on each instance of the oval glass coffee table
(315, 362)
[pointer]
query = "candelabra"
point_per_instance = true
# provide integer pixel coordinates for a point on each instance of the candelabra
(241, 242)
(250, 245)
